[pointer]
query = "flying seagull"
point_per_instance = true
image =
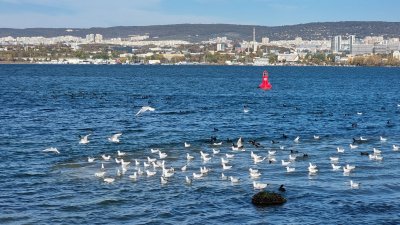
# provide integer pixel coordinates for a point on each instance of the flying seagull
(144, 109)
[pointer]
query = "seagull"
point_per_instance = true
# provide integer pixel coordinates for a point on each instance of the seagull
(259, 185)
(271, 153)
(203, 155)
(184, 168)
(340, 149)
(189, 157)
(382, 139)
(51, 149)
(109, 180)
(100, 174)
(253, 170)
(90, 159)
(354, 185)
(117, 161)
(84, 139)
(353, 146)
(245, 109)
(121, 153)
(163, 181)
(223, 177)
(334, 159)
(297, 139)
(162, 155)
(134, 176)
(102, 166)
(225, 167)
(255, 175)
(285, 163)
(292, 157)
(154, 150)
(376, 151)
(217, 144)
(188, 180)
(224, 161)
(290, 169)
(197, 176)
(335, 167)
(359, 113)
(106, 158)
(316, 137)
(115, 138)
(395, 148)
(204, 170)
(144, 109)
(151, 160)
(187, 145)
(234, 179)
(229, 156)
(150, 173)
(215, 151)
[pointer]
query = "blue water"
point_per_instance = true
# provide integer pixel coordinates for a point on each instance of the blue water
(51, 106)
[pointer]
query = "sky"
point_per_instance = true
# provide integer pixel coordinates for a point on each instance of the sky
(107, 13)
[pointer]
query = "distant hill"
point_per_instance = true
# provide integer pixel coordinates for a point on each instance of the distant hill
(200, 32)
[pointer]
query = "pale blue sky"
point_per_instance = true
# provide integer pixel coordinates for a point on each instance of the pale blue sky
(105, 13)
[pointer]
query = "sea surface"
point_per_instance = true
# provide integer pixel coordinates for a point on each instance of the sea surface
(45, 106)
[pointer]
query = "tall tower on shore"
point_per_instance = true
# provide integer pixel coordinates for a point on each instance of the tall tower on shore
(254, 40)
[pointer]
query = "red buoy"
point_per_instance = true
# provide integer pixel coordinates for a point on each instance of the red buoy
(265, 85)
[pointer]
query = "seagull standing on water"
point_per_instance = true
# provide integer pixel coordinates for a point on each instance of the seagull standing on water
(144, 109)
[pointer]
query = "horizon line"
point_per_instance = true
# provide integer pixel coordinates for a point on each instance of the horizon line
(255, 25)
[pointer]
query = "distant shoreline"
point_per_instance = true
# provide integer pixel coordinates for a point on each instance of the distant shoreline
(300, 65)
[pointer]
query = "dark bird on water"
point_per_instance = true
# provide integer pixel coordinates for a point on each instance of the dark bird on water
(281, 188)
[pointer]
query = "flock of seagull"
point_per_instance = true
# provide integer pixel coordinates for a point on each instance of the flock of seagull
(156, 162)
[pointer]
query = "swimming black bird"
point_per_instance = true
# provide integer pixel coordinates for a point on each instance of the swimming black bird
(281, 188)
(254, 143)
(215, 129)
(293, 151)
(284, 136)
(354, 125)
(364, 153)
(274, 142)
(213, 138)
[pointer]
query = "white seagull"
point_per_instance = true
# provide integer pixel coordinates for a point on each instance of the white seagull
(106, 158)
(84, 139)
(290, 169)
(189, 157)
(297, 139)
(144, 109)
(395, 148)
(340, 149)
(335, 167)
(91, 159)
(162, 155)
(188, 180)
(259, 185)
(382, 139)
(109, 180)
(51, 149)
(115, 138)
(354, 185)
(187, 145)
(121, 153)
